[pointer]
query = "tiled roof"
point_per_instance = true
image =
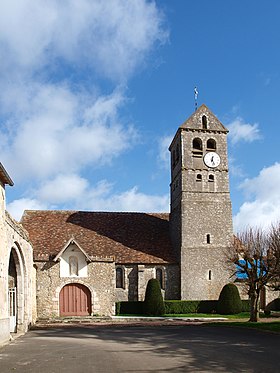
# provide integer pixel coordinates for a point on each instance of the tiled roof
(128, 237)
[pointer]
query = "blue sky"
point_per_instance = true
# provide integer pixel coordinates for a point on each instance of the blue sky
(93, 91)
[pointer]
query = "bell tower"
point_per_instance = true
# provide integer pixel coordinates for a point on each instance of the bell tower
(201, 215)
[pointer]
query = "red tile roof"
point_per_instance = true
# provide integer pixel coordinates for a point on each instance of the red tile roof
(128, 237)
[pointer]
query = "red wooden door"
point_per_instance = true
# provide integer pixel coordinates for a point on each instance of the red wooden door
(75, 300)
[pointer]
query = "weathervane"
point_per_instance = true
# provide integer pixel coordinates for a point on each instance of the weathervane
(195, 97)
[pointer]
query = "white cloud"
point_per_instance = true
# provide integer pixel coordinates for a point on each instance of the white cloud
(62, 189)
(55, 120)
(62, 131)
(132, 200)
(240, 131)
(164, 154)
(112, 36)
(75, 193)
(17, 207)
(263, 191)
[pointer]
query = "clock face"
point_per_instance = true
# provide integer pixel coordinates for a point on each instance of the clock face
(212, 159)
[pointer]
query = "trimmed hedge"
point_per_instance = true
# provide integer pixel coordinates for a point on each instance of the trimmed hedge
(274, 305)
(176, 307)
(130, 308)
(245, 305)
(171, 307)
(190, 306)
(153, 304)
(229, 300)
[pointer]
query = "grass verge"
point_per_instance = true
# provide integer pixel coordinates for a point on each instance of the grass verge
(273, 326)
(243, 315)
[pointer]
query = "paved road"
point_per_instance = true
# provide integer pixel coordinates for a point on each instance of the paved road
(107, 348)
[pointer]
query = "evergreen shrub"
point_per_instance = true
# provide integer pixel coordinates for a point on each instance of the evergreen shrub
(229, 302)
(245, 305)
(273, 305)
(129, 308)
(190, 306)
(153, 304)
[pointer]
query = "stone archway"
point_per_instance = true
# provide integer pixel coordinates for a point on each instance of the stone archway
(16, 289)
(75, 300)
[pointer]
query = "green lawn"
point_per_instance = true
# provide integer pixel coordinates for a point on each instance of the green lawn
(273, 326)
(242, 315)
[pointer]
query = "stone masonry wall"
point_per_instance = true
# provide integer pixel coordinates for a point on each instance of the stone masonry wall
(137, 277)
(100, 281)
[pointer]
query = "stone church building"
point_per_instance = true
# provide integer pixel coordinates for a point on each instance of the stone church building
(86, 261)
(83, 262)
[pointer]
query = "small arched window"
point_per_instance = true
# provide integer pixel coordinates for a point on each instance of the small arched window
(159, 277)
(198, 177)
(197, 144)
(119, 278)
(204, 122)
(211, 144)
(210, 275)
(211, 178)
(208, 238)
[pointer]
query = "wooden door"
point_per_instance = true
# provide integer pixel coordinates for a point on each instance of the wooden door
(75, 300)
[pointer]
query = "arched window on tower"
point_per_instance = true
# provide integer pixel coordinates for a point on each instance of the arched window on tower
(211, 144)
(197, 153)
(208, 238)
(204, 122)
(198, 177)
(197, 144)
(119, 277)
(159, 277)
(211, 185)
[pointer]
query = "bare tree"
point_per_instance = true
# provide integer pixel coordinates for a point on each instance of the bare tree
(256, 259)
(274, 255)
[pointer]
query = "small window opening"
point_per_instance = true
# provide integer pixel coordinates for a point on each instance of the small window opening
(204, 122)
(198, 177)
(211, 144)
(119, 278)
(159, 277)
(197, 144)
(210, 275)
(208, 240)
(211, 178)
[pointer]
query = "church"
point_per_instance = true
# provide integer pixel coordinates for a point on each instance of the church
(79, 263)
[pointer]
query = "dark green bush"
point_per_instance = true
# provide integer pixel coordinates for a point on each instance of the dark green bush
(181, 306)
(273, 305)
(190, 306)
(129, 308)
(229, 302)
(176, 307)
(153, 304)
(245, 305)
(207, 306)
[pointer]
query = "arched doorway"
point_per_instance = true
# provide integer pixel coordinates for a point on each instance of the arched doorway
(12, 283)
(75, 300)
(16, 289)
